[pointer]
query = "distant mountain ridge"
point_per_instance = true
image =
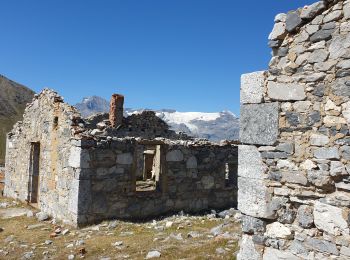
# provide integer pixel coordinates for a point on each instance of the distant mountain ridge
(13, 100)
(213, 126)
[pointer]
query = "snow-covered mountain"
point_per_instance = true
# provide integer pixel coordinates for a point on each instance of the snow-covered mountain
(213, 126)
(92, 105)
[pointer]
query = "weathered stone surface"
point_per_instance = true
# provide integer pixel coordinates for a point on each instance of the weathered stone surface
(254, 198)
(321, 35)
(332, 16)
(208, 182)
(318, 56)
(327, 153)
(275, 254)
(259, 124)
(345, 251)
(278, 230)
(293, 177)
(319, 178)
(294, 119)
(191, 163)
(250, 164)
(252, 87)
(346, 111)
(285, 91)
(319, 140)
(248, 250)
(305, 216)
(308, 165)
(341, 87)
(330, 219)
(293, 20)
(321, 246)
(278, 32)
(337, 169)
(174, 156)
(285, 147)
(153, 254)
(252, 225)
(338, 46)
(125, 158)
(297, 247)
(312, 10)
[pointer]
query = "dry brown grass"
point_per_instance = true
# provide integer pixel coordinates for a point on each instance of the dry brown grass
(98, 243)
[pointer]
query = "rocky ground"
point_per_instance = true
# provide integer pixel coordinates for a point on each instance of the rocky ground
(27, 234)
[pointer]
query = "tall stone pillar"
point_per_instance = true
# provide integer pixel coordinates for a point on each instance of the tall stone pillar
(116, 110)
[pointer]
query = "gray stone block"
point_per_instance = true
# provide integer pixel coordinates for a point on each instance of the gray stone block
(311, 11)
(174, 156)
(252, 225)
(250, 164)
(305, 216)
(248, 250)
(321, 246)
(293, 20)
(252, 87)
(254, 198)
(259, 123)
(327, 153)
(285, 91)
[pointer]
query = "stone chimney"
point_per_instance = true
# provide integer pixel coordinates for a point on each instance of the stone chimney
(116, 110)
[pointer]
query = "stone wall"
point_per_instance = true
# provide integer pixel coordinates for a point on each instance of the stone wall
(191, 178)
(84, 171)
(47, 121)
(294, 163)
(145, 125)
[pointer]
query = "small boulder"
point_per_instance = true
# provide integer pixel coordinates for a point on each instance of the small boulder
(153, 254)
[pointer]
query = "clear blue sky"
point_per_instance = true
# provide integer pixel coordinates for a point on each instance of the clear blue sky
(182, 54)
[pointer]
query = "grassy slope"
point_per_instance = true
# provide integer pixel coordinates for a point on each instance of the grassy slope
(13, 99)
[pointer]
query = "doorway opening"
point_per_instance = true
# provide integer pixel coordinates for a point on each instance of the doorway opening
(34, 169)
(151, 169)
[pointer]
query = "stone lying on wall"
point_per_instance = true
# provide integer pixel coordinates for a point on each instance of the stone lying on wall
(252, 87)
(254, 198)
(285, 91)
(259, 123)
(330, 219)
(309, 12)
(293, 21)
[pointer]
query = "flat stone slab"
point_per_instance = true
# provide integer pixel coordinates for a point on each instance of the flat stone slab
(285, 91)
(259, 123)
(13, 212)
(254, 198)
(250, 164)
(252, 87)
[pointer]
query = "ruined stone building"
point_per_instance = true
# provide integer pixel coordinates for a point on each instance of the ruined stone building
(294, 164)
(107, 166)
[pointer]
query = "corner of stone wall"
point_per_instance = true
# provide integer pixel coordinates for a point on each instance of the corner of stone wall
(294, 163)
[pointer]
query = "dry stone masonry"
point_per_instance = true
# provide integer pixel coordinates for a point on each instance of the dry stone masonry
(294, 161)
(87, 170)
